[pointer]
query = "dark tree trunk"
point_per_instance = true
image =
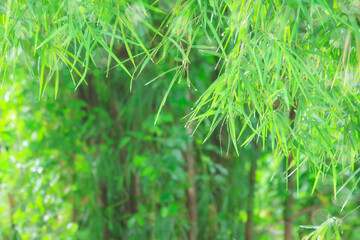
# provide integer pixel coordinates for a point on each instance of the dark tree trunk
(104, 203)
(191, 193)
(251, 197)
(88, 94)
(130, 187)
(289, 199)
(289, 204)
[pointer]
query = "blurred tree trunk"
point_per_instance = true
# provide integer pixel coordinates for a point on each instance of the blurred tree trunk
(11, 210)
(250, 201)
(88, 94)
(289, 198)
(104, 202)
(130, 186)
(289, 203)
(191, 193)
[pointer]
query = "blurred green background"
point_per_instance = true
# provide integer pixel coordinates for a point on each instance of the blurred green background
(91, 164)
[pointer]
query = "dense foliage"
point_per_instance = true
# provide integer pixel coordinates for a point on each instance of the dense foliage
(198, 119)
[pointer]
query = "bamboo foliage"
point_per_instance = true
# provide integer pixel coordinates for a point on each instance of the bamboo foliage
(274, 56)
(53, 35)
(278, 55)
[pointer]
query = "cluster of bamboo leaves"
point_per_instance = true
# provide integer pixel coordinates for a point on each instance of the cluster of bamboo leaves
(50, 36)
(288, 71)
(275, 56)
